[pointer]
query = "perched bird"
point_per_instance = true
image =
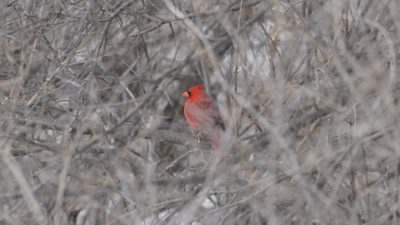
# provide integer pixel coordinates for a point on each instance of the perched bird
(202, 114)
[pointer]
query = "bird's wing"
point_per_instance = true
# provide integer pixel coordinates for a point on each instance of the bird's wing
(206, 111)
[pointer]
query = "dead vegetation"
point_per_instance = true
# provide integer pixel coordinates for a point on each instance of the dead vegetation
(92, 128)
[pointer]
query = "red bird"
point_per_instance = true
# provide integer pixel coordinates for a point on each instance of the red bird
(202, 114)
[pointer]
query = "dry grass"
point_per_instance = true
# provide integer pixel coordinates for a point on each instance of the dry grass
(92, 129)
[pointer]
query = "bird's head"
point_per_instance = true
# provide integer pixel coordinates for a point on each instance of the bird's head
(195, 92)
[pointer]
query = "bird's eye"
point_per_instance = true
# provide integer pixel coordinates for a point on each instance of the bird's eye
(189, 93)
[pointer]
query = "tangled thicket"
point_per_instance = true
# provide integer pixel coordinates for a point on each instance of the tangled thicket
(92, 128)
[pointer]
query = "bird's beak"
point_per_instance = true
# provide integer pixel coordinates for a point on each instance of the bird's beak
(185, 94)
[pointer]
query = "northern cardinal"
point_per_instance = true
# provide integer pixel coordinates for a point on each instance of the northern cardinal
(202, 114)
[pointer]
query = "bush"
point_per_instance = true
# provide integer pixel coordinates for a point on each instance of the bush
(92, 127)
